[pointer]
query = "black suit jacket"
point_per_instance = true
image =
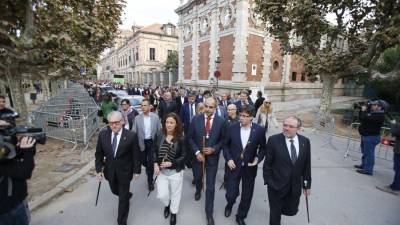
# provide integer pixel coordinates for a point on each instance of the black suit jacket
(279, 172)
(163, 109)
(197, 132)
(179, 103)
(178, 163)
(125, 163)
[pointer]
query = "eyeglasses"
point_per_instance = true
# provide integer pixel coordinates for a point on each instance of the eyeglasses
(289, 126)
(114, 123)
(267, 102)
(208, 106)
(242, 115)
(124, 104)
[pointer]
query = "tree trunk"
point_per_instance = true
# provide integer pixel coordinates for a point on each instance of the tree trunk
(328, 83)
(17, 94)
(46, 90)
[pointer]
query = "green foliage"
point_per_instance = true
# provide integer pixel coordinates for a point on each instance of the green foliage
(55, 38)
(389, 60)
(387, 90)
(172, 61)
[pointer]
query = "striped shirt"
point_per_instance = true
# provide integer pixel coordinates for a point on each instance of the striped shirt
(167, 152)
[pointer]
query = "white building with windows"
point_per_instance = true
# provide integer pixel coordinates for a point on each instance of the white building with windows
(142, 57)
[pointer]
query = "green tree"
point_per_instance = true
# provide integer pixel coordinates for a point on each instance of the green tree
(172, 61)
(53, 39)
(348, 44)
(389, 62)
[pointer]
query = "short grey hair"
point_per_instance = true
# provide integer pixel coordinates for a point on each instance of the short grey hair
(116, 114)
(299, 123)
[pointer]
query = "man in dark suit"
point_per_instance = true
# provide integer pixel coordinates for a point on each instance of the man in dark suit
(243, 100)
(117, 159)
(286, 170)
(180, 100)
(166, 106)
(259, 101)
(224, 100)
(187, 113)
(205, 137)
(244, 148)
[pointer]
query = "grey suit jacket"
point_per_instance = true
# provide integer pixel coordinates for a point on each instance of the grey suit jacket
(138, 127)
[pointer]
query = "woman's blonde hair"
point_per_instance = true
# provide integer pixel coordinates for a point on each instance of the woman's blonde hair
(200, 108)
(266, 108)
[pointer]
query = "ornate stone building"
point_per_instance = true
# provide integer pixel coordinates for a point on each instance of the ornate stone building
(141, 57)
(227, 35)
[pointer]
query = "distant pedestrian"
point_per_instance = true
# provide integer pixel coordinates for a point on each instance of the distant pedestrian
(265, 116)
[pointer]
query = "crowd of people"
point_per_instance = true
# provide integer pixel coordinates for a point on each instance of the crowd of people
(181, 128)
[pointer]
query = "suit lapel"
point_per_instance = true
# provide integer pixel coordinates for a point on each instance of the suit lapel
(301, 147)
(122, 141)
(108, 140)
(239, 138)
(285, 149)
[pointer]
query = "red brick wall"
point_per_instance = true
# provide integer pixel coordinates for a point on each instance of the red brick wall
(276, 74)
(226, 57)
(297, 66)
(204, 60)
(255, 56)
(187, 63)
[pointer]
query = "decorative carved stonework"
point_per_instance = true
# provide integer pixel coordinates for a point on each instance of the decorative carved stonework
(254, 17)
(187, 32)
(204, 25)
(227, 15)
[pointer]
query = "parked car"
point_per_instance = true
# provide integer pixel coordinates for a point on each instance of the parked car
(104, 89)
(118, 93)
(135, 101)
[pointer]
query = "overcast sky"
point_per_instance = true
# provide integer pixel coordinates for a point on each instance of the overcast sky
(146, 12)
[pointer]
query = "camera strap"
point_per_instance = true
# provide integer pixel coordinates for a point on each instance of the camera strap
(9, 189)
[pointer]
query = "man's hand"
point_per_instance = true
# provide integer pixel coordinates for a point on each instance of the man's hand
(307, 192)
(156, 169)
(100, 176)
(363, 108)
(136, 176)
(208, 151)
(27, 142)
(165, 164)
(254, 163)
(200, 157)
(231, 164)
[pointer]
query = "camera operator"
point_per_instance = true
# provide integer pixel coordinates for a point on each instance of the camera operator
(3, 109)
(14, 171)
(371, 120)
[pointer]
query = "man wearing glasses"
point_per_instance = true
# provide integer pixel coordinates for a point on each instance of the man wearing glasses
(147, 125)
(286, 170)
(117, 160)
(244, 148)
(205, 137)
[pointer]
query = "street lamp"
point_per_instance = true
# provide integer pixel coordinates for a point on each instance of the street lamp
(217, 73)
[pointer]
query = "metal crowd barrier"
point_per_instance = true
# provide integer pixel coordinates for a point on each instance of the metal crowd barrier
(384, 149)
(325, 126)
(70, 116)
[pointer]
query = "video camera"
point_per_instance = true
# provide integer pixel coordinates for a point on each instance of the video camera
(9, 139)
(359, 105)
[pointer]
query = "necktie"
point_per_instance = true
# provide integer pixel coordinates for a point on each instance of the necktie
(293, 154)
(208, 126)
(114, 143)
(190, 112)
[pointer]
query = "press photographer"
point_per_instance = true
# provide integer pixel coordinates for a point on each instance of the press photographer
(371, 116)
(17, 150)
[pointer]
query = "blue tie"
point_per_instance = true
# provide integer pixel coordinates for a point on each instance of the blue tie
(293, 154)
(114, 143)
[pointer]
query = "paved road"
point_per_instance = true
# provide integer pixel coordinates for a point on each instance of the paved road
(339, 197)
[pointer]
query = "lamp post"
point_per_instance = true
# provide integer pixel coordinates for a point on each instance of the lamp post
(217, 73)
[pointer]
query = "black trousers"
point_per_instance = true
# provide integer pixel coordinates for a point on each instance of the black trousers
(148, 159)
(246, 175)
(282, 205)
(121, 189)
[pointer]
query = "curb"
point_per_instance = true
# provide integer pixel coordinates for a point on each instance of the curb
(59, 188)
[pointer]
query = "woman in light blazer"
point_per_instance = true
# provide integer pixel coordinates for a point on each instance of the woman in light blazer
(265, 116)
(170, 156)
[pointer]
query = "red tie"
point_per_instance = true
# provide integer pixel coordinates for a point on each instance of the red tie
(208, 125)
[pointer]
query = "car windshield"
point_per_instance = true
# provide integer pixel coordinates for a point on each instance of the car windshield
(120, 92)
(135, 102)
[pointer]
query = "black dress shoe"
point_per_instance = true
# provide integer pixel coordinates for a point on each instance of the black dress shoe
(166, 212)
(364, 172)
(358, 166)
(228, 210)
(151, 187)
(210, 221)
(240, 221)
(193, 182)
(197, 195)
(173, 219)
(130, 195)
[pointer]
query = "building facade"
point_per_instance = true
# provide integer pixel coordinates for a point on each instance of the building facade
(228, 36)
(142, 57)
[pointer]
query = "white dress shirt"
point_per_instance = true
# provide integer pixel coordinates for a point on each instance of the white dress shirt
(296, 145)
(118, 139)
(147, 127)
(244, 135)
